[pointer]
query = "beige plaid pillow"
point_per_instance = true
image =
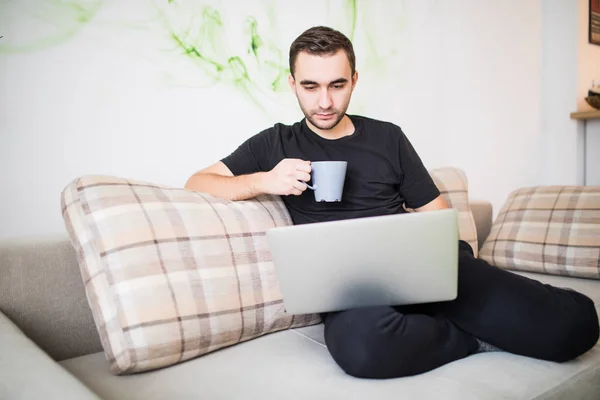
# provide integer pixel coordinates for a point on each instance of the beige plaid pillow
(454, 188)
(172, 274)
(548, 229)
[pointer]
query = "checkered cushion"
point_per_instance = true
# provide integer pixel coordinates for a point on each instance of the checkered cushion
(548, 229)
(454, 188)
(172, 274)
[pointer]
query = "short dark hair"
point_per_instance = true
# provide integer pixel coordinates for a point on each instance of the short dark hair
(321, 40)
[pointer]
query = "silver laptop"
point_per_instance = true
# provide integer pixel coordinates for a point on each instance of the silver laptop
(387, 260)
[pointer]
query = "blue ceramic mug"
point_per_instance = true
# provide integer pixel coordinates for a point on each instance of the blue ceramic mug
(328, 180)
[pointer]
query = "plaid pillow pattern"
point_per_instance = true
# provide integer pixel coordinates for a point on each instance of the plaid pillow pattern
(172, 274)
(548, 229)
(454, 188)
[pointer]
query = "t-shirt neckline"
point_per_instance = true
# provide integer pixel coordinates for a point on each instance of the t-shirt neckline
(355, 122)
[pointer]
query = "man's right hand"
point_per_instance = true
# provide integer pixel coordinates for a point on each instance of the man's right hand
(287, 178)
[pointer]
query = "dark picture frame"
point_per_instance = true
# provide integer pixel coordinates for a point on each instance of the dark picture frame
(594, 22)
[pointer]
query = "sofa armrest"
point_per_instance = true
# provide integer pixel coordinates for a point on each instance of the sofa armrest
(42, 293)
(482, 214)
(26, 372)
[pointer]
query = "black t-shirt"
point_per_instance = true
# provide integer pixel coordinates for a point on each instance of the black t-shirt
(384, 171)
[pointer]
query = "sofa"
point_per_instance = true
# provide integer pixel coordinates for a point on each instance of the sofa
(50, 349)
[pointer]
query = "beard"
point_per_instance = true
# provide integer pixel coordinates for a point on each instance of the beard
(324, 125)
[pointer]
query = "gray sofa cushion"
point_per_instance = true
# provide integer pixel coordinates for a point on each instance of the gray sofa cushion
(288, 365)
(26, 372)
(41, 291)
(296, 364)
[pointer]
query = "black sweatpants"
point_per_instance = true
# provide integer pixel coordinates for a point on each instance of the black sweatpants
(514, 313)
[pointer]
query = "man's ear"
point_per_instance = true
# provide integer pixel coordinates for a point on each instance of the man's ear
(292, 83)
(354, 79)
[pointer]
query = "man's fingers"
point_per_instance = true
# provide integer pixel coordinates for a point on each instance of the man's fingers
(304, 166)
(302, 176)
(300, 186)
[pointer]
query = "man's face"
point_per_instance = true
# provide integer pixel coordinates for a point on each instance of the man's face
(323, 86)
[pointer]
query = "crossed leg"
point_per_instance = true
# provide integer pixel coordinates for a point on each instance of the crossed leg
(521, 315)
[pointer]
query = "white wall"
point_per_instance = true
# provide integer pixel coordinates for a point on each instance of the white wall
(489, 122)
(559, 163)
(112, 96)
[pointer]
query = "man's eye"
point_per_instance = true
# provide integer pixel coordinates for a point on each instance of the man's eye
(338, 86)
(310, 87)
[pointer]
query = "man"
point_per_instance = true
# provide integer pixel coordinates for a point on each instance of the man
(494, 306)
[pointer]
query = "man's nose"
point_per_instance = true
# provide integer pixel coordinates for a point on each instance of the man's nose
(325, 100)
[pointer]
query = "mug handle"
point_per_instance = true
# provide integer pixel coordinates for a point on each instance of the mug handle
(313, 187)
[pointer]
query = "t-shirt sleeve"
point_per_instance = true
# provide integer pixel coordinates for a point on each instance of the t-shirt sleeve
(416, 185)
(250, 156)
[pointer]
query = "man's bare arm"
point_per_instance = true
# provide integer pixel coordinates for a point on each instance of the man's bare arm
(218, 181)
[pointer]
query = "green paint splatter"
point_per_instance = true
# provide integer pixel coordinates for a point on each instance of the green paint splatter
(240, 73)
(203, 42)
(255, 40)
(50, 23)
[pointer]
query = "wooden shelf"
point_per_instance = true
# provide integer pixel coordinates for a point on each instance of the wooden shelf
(594, 114)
